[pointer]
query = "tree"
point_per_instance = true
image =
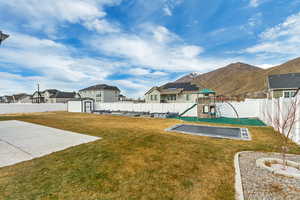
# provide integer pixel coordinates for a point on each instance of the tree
(283, 116)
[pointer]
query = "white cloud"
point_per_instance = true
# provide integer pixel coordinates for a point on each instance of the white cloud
(138, 71)
(130, 84)
(53, 62)
(266, 66)
(102, 26)
(281, 39)
(159, 73)
(145, 72)
(167, 11)
(169, 5)
(160, 49)
(190, 51)
(57, 68)
(255, 3)
(255, 20)
(161, 34)
(47, 15)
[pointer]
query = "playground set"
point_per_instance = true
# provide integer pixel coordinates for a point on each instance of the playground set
(207, 111)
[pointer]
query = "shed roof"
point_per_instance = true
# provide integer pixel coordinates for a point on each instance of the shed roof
(284, 81)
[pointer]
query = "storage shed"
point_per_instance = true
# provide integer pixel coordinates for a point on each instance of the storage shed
(86, 105)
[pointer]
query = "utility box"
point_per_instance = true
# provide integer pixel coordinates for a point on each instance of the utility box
(86, 105)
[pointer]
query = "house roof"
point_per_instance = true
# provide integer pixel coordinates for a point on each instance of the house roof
(185, 86)
(175, 88)
(60, 94)
(284, 81)
(51, 91)
(153, 88)
(101, 87)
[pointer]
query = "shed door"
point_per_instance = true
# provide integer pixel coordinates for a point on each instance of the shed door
(87, 106)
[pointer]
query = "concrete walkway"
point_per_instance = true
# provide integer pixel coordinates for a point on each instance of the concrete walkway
(21, 141)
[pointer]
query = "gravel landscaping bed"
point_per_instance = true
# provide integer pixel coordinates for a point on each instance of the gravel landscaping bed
(260, 184)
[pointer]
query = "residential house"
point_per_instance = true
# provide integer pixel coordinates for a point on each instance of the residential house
(283, 85)
(6, 99)
(22, 98)
(101, 93)
(52, 96)
(62, 97)
(184, 92)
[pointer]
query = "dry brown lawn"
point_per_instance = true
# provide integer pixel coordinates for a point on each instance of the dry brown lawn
(135, 160)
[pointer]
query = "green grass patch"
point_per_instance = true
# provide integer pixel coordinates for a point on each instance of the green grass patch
(225, 120)
(135, 160)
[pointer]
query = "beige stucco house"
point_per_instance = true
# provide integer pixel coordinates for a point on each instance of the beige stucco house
(173, 93)
(101, 93)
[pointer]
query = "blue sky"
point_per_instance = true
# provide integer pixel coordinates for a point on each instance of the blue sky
(136, 44)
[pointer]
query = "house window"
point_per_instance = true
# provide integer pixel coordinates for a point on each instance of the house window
(293, 94)
(155, 97)
(172, 97)
(187, 97)
(286, 94)
(151, 97)
(98, 95)
(289, 94)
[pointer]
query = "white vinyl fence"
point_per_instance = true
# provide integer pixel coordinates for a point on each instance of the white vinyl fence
(249, 108)
(274, 112)
(148, 107)
(30, 108)
(245, 109)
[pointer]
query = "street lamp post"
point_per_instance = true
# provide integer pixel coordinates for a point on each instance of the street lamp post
(3, 37)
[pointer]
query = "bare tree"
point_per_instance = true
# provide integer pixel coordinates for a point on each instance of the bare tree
(283, 117)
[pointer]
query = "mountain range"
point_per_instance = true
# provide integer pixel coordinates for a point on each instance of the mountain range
(240, 79)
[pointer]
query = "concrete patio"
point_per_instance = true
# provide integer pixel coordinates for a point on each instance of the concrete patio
(21, 141)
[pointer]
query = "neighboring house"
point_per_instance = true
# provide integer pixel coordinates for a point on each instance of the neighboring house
(173, 93)
(21, 98)
(61, 97)
(6, 99)
(101, 93)
(283, 85)
(52, 96)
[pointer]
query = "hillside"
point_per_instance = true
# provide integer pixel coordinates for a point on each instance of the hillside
(241, 79)
(292, 66)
